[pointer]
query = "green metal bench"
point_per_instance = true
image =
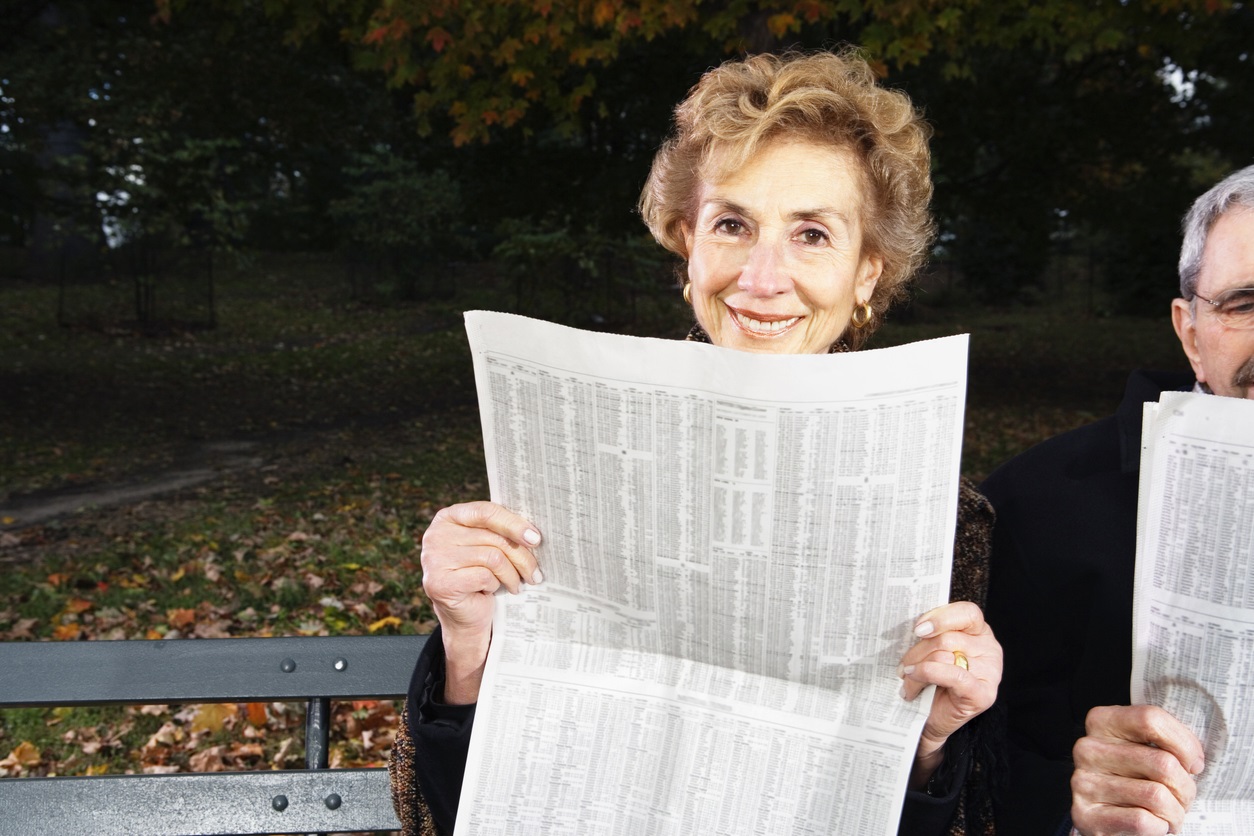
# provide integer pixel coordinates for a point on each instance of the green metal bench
(315, 669)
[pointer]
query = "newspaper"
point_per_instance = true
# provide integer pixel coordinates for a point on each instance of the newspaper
(1193, 607)
(735, 548)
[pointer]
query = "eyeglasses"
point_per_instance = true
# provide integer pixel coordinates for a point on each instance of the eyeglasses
(1234, 308)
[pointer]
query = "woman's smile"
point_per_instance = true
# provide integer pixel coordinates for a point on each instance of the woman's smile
(762, 325)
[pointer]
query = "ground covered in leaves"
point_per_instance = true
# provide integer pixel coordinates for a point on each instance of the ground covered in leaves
(362, 420)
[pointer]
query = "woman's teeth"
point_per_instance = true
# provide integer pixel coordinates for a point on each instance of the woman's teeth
(760, 327)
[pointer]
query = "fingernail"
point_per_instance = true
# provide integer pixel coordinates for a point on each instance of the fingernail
(924, 629)
(532, 537)
(537, 577)
(901, 692)
(1198, 766)
(907, 670)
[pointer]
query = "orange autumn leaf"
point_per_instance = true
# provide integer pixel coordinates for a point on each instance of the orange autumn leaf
(256, 713)
(180, 618)
(66, 632)
(24, 754)
(78, 605)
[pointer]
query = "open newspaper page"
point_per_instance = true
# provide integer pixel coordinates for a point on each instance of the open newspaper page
(1193, 610)
(735, 549)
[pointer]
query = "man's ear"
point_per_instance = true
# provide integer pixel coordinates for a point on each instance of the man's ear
(1186, 330)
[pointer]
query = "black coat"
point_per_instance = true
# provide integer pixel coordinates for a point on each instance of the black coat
(1060, 596)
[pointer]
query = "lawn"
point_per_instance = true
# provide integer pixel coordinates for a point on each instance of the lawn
(360, 420)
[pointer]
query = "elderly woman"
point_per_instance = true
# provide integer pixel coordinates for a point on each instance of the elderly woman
(796, 190)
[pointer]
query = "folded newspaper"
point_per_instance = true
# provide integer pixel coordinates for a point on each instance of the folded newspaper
(1193, 606)
(735, 549)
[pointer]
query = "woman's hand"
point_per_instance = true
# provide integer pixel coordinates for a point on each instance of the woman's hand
(1134, 772)
(948, 636)
(468, 552)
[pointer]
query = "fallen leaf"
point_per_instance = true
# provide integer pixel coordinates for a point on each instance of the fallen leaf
(180, 618)
(216, 629)
(78, 605)
(24, 754)
(23, 629)
(209, 760)
(213, 716)
(256, 712)
(66, 632)
(389, 621)
(240, 751)
(167, 735)
(284, 754)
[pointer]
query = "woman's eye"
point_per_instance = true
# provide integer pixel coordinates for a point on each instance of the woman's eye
(814, 236)
(732, 226)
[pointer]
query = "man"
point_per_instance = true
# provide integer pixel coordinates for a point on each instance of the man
(1064, 545)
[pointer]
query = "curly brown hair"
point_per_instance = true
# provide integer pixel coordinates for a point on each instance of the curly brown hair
(829, 98)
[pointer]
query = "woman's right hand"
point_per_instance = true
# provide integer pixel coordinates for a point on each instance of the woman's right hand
(468, 552)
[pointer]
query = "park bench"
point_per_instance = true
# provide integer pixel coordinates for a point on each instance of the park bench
(315, 669)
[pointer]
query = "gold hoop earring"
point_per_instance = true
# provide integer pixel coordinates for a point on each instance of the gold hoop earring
(866, 313)
(688, 292)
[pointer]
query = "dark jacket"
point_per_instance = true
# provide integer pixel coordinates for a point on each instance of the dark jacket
(1060, 598)
(429, 755)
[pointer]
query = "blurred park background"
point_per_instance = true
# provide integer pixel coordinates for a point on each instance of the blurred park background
(237, 236)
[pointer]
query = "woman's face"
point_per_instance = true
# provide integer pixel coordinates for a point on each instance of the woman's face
(775, 255)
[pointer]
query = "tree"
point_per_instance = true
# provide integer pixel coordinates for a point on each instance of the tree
(188, 129)
(484, 64)
(402, 219)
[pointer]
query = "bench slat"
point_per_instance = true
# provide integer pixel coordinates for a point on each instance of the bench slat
(206, 670)
(200, 803)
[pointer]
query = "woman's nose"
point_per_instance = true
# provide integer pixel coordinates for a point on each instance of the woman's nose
(763, 273)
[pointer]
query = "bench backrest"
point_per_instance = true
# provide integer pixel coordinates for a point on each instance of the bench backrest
(315, 669)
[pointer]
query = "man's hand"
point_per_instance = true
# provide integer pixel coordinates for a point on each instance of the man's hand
(1134, 772)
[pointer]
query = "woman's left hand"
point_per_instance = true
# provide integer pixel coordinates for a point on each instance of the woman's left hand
(948, 636)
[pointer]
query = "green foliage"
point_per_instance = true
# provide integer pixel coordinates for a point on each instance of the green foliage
(391, 205)
(198, 130)
(580, 276)
(397, 224)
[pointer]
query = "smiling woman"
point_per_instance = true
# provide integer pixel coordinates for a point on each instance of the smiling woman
(841, 161)
(796, 189)
(775, 256)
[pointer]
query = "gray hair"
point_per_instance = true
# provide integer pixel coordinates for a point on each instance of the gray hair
(1237, 189)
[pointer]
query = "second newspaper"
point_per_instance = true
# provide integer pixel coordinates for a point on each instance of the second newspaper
(735, 549)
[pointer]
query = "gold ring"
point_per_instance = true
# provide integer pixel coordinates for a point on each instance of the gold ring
(960, 659)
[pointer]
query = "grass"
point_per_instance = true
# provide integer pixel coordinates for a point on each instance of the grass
(364, 417)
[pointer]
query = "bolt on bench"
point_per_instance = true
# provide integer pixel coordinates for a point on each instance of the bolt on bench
(316, 669)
